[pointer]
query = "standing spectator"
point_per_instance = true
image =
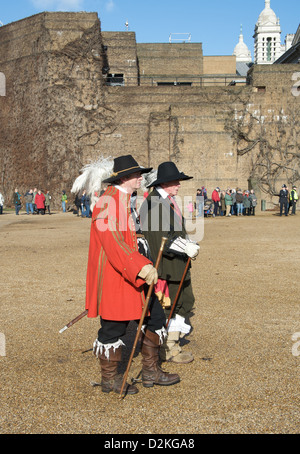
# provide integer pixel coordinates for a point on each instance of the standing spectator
(239, 202)
(35, 191)
(204, 193)
(17, 201)
(222, 204)
(222, 207)
(64, 201)
(190, 209)
(284, 200)
(199, 203)
(253, 202)
(85, 205)
(40, 202)
(1, 203)
(201, 197)
(29, 201)
(233, 206)
(228, 202)
(246, 203)
(293, 199)
(47, 201)
(77, 203)
(87, 202)
(82, 203)
(216, 199)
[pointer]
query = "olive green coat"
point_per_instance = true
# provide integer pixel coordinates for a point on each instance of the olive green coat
(158, 219)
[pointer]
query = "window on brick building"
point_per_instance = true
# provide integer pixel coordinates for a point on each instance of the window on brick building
(115, 80)
(175, 83)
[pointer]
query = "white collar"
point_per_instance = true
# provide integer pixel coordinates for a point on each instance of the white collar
(121, 189)
(162, 192)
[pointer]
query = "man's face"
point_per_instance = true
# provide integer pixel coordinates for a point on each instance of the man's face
(172, 187)
(132, 182)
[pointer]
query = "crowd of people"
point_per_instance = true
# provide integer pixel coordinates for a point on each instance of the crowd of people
(83, 204)
(235, 202)
(229, 202)
(287, 200)
(35, 202)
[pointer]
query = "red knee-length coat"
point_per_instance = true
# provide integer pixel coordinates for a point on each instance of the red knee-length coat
(113, 289)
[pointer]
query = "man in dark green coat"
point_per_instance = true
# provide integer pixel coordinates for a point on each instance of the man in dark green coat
(160, 216)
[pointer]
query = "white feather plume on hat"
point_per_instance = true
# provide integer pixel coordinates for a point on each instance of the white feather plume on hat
(91, 178)
(148, 178)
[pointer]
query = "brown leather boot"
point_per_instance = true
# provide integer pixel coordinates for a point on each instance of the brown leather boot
(111, 380)
(152, 374)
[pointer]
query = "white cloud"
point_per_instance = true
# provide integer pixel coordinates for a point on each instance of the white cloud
(110, 6)
(58, 5)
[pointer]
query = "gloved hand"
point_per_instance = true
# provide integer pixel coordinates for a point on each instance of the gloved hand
(149, 273)
(192, 250)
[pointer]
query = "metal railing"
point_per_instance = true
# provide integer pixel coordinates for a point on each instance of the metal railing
(192, 81)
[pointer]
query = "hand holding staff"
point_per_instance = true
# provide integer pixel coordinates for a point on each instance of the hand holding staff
(163, 242)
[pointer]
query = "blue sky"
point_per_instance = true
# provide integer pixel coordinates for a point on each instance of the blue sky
(216, 24)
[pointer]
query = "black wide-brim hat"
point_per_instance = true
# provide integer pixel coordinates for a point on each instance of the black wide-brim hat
(124, 166)
(166, 172)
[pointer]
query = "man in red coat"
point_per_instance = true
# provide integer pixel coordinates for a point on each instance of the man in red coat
(117, 276)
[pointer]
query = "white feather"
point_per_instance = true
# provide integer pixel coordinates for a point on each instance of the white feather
(91, 178)
(148, 178)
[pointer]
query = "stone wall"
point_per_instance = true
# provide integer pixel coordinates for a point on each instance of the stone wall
(160, 60)
(54, 110)
(185, 125)
(121, 51)
(219, 64)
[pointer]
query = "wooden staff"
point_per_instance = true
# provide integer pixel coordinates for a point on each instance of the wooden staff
(76, 319)
(163, 242)
(179, 290)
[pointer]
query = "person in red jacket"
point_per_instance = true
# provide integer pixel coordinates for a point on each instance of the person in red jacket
(40, 202)
(117, 278)
(216, 199)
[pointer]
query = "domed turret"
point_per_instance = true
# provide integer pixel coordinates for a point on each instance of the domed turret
(241, 50)
(267, 41)
(267, 16)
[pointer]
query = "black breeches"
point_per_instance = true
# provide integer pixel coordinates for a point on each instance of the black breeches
(111, 331)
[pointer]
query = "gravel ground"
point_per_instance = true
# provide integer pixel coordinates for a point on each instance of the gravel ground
(245, 377)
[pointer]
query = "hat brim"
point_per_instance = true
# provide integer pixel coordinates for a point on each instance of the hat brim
(126, 173)
(170, 178)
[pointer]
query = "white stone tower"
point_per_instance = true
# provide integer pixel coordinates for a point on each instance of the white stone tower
(241, 50)
(267, 40)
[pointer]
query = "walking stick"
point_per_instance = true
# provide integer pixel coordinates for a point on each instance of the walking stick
(179, 290)
(79, 317)
(163, 242)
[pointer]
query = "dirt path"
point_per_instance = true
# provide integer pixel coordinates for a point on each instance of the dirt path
(245, 377)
